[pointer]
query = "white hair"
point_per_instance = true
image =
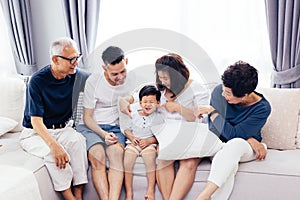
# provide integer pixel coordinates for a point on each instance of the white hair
(58, 45)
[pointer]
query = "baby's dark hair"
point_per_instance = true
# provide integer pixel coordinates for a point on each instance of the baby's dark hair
(149, 90)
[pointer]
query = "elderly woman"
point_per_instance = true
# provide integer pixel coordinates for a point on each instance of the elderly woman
(237, 115)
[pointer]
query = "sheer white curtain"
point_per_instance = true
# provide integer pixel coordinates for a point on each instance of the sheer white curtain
(7, 63)
(228, 30)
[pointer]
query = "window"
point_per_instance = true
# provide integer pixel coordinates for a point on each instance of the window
(228, 31)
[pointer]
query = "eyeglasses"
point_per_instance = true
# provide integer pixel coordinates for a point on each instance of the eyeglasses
(72, 60)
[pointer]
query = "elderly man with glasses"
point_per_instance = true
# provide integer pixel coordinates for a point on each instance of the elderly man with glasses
(48, 131)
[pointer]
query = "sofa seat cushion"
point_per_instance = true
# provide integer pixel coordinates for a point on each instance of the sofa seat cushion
(11, 153)
(277, 163)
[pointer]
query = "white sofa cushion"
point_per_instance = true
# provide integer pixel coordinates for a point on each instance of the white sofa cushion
(281, 128)
(12, 99)
(6, 125)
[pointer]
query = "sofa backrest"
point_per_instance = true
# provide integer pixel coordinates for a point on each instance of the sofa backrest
(282, 130)
(12, 101)
(282, 127)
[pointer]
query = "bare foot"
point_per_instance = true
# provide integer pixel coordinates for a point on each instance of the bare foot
(201, 197)
(149, 197)
(128, 197)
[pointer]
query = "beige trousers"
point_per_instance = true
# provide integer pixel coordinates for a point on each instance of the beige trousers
(75, 146)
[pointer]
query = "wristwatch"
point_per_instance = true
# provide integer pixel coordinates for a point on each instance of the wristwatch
(213, 112)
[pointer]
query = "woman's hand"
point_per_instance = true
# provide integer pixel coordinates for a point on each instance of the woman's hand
(172, 106)
(200, 110)
(258, 148)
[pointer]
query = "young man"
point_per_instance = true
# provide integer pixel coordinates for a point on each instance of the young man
(48, 133)
(101, 123)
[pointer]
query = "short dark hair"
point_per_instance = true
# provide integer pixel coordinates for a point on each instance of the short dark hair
(149, 90)
(112, 55)
(241, 77)
(179, 73)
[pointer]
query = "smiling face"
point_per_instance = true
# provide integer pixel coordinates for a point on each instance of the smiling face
(164, 78)
(63, 66)
(229, 97)
(149, 104)
(116, 74)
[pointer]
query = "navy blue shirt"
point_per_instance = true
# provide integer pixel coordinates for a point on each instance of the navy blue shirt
(48, 98)
(234, 121)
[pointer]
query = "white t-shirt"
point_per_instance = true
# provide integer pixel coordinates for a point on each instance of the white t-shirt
(141, 125)
(194, 95)
(103, 98)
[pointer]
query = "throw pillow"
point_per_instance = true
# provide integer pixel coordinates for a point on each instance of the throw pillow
(6, 125)
(181, 140)
(298, 133)
(281, 128)
(12, 99)
(78, 111)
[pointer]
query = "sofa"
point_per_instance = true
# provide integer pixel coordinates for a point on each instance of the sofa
(277, 177)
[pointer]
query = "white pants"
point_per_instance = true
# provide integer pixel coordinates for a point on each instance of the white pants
(75, 146)
(225, 165)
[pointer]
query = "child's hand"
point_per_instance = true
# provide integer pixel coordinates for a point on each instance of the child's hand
(143, 143)
(135, 141)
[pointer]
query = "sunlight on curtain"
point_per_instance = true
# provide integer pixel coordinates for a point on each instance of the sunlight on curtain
(228, 30)
(7, 63)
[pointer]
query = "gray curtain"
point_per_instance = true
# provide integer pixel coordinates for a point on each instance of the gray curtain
(81, 18)
(283, 19)
(17, 15)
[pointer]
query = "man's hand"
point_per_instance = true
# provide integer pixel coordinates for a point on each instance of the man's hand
(258, 148)
(59, 154)
(124, 105)
(110, 138)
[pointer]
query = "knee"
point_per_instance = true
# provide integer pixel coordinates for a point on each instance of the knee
(77, 141)
(165, 165)
(96, 156)
(115, 151)
(236, 144)
(190, 164)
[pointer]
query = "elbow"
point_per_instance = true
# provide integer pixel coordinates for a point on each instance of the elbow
(86, 119)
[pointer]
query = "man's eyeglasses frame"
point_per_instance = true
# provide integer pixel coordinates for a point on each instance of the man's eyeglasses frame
(71, 60)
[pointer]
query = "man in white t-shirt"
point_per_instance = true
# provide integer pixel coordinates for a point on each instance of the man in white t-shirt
(100, 123)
